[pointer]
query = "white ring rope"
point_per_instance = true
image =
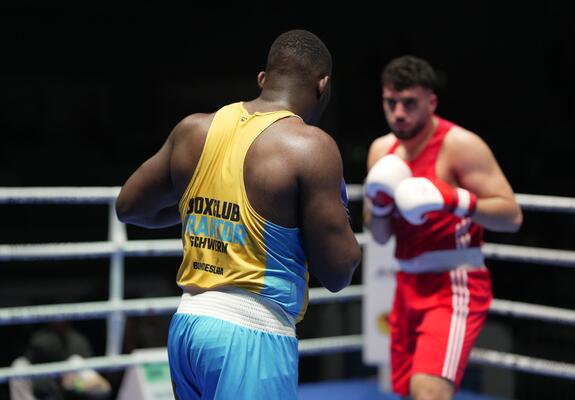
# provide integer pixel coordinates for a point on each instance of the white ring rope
(135, 307)
(172, 247)
(523, 363)
(87, 310)
(532, 311)
(119, 361)
(83, 250)
(58, 195)
(103, 195)
(534, 202)
(68, 251)
(330, 345)
(307, 347)
(532, 255)
(163, 305)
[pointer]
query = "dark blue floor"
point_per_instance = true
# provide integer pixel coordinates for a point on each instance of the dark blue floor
(361, 389)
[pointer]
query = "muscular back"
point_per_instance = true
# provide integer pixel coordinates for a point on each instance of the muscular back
(271, 166)
(274, 166)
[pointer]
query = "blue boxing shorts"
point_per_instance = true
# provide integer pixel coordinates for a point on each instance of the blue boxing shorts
(228, 356)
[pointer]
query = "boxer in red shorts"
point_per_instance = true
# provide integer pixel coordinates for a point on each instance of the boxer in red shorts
(435, 186)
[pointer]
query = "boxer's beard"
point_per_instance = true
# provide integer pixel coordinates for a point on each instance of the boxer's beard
(410, 134)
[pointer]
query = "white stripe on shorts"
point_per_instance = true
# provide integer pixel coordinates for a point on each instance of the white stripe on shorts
(460, 303)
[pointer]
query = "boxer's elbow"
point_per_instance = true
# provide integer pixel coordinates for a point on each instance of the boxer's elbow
(341, 274)
(336, 283)
(516, 222)
(124, 210)
(127, 212)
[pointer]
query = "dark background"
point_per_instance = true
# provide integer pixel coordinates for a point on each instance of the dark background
(89, 92)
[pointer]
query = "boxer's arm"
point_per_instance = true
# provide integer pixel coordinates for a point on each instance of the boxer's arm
(476, 169)
(148, 198)
(379, 227)
(329, 242)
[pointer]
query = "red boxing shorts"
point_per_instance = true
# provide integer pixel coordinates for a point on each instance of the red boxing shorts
(435, 320)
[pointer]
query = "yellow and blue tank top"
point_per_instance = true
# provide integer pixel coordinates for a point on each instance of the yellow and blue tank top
(226, 242)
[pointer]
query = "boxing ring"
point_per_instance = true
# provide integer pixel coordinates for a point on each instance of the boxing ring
(116, 309)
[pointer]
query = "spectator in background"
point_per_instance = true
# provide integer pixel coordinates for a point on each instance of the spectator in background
(57, 342)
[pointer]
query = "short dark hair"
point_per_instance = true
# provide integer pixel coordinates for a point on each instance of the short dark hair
(300, 54)
(408, 71)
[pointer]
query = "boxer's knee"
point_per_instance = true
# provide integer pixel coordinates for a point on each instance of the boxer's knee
(429, 387)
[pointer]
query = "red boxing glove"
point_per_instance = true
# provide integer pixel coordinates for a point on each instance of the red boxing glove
(381, 182)
(415, 197)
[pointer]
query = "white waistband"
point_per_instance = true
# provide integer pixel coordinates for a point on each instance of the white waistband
(444, 260)
(239, 307)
